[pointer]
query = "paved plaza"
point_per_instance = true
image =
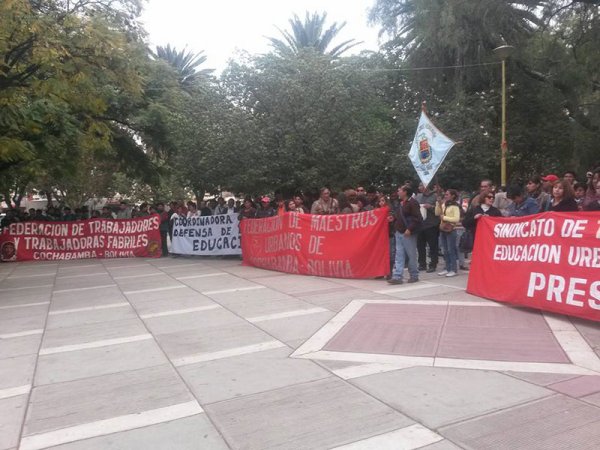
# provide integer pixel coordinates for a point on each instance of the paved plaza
(201, 353)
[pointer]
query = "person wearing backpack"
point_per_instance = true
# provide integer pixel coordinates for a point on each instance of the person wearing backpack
(407, 222)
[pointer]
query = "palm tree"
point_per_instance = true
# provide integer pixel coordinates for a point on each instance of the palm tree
(462, 30)
(185, 63)
(311, 34)
(455, 33)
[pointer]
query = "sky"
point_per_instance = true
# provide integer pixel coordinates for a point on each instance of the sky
(222, 27)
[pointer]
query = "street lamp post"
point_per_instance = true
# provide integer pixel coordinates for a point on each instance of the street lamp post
(503, 52)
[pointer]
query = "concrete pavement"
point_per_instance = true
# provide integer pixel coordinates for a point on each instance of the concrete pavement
(189, 353)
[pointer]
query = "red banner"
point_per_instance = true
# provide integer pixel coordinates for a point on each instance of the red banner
(548, 261)
(94, 238)
(339, 246)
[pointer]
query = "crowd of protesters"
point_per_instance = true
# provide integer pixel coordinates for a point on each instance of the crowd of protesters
(428, 223)
(424, 223)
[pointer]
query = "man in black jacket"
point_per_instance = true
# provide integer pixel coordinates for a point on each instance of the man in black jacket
(429, 233)
(407, 221)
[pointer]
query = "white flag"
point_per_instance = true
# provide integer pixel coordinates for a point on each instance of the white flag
(429, 149)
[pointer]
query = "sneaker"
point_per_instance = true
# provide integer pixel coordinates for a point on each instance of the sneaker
(388, 277)
(412, 280)
(395, 281)
(451, 274)
(431, 270)
(464, 268)
(442, 273)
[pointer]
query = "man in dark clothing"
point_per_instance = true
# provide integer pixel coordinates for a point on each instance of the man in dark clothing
(204, 209)
(163, 227)
(53, 213)
(39, 216)
(429, 233)
(407, 221)
(372, 197)
(68, 215)
(521, 205)
(10, 218)
(107, 213)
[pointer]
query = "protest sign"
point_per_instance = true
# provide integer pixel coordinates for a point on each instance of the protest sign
(342, 246)
(548, 261)
(207, 235)
(94, 238)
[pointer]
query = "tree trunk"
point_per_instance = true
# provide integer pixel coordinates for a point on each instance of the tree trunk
(199, 193)
(19, 194)
(7, 200)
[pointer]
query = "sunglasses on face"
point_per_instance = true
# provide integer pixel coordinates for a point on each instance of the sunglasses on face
(489, 196)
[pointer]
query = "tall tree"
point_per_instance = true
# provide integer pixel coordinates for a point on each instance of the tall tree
(545, 82)
(66, 64)
(185, 63)
(454, 33)
(319, 123)
(311, 34)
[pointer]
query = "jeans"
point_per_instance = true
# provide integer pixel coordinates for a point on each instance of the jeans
(406, 244)
(392, 252)
(461, 255)
(449, 247)
(428, 236)
(163, 238)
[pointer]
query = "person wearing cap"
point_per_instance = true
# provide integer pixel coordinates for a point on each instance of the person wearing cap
(265, 210)
(521, 205)
(325, 205)
(548, 182)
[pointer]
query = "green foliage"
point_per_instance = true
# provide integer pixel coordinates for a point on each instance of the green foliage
(185, 63)
(310, 34)
(552, 76)
(87, 110)
(64, 65)
(320, 121)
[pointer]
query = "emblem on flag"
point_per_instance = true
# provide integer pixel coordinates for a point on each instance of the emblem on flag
(429, 149)
(424, 149)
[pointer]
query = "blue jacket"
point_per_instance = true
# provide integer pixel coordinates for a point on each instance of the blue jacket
(527, 208)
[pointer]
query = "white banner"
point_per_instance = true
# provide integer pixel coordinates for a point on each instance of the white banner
(429, 149)
(207, 235)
